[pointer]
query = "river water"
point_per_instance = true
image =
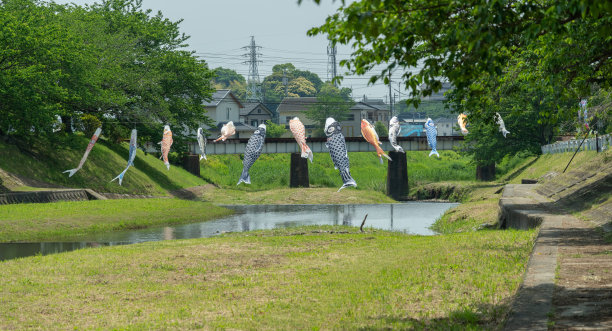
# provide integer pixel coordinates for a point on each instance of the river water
(410, 217)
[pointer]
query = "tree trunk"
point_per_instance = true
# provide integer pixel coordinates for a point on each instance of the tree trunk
(67, 123)
(485, 172)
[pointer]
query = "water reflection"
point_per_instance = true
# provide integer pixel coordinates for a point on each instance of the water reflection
(411, 217)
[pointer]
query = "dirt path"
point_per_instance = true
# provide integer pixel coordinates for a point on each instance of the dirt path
(582, 298)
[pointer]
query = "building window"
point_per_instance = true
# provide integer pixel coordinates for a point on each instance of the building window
(350, 117)
(228, 111)
(253, 122)
(259, 111)
(288, 118)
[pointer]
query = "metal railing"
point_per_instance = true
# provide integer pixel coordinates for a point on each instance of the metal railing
(590, 144)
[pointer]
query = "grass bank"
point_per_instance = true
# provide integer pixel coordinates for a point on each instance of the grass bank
(299, 278)
(271, 171)
(480, 201)
(294, 196)
(62, 221)
(45, 163)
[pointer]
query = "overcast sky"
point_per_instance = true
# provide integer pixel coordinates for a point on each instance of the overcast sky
(219, 29)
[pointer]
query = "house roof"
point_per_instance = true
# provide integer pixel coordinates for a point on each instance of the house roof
(296, 104)
(363, 106)
(251, 106)
(220, 95)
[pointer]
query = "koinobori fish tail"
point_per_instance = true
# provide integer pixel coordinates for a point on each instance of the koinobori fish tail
(253, 150)
(394, 131)
(432, 133)
(337, 150)
(502, 126)
(131, 156)
(202, 144)
(166, 143)
(91, 144)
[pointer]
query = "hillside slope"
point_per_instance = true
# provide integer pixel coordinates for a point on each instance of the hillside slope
(41, 165)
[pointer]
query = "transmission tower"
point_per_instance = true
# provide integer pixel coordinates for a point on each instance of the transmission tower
(331, 63)
(253, 85)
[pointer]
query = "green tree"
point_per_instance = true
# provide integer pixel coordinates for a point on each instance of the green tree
(32, 46)
(463, 40)
(300, 83)
(230, 79)
(381, 129)
(274, 130)
(331, 102)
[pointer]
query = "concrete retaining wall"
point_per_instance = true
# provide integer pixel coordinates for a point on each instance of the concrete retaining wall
(49, 196)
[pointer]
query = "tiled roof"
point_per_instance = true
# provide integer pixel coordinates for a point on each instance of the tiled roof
(250, 106)
(296, 104)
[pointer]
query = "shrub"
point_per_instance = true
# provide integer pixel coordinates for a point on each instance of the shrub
(90, 123)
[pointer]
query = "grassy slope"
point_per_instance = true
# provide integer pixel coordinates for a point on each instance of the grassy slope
(304, 278)
(106, 160)
(272, 170)
(481, 206)
(65, 221)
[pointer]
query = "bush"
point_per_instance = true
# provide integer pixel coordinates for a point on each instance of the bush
(116, 132)
(90, 123)
(381, 129)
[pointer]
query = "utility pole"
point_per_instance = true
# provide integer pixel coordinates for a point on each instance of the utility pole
(390, 97)
(331, 63)
(253, 85)
(285, 81)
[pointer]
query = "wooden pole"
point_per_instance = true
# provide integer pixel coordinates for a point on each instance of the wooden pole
(397, 176)
(299, 171)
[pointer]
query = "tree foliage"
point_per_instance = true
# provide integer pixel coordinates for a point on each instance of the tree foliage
(274, 130)
(112, 60)
(331, 102)
(460, 40)
(531, 61)
(230, 79)
(300, 83)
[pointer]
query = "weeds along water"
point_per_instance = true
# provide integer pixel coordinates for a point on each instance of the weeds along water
(272, 170)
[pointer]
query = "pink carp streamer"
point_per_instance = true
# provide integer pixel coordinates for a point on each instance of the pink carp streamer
(299, 133)
(91, 144)
(165, 145)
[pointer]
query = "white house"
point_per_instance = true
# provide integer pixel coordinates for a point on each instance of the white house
(225, 107)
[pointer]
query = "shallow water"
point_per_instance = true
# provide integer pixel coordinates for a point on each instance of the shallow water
(409, 217)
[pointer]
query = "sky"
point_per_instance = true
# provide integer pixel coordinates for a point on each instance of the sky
(218, 30)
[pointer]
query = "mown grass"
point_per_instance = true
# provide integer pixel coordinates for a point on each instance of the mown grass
(272, 170)
(294, 196)
(45, 162)
(298, 278)
(62, 221)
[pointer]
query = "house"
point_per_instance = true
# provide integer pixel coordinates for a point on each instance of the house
(255, 113)
(292, 107)
(447, 127)
(438, 96)
(225, 107)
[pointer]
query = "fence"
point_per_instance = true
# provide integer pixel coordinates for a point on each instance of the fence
(591, 144)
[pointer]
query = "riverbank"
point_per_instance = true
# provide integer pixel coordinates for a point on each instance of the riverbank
(65, 221)
(301, 278)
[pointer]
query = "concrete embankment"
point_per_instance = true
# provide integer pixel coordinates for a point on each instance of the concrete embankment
(50, 196)
(542, 301)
